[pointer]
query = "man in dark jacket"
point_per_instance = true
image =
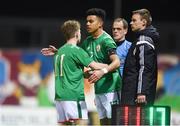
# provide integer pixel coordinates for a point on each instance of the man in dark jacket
(140, 70)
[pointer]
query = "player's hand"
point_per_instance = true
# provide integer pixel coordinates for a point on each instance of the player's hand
(141, 99)
(95, 76)
(88, 73)
(49, 51)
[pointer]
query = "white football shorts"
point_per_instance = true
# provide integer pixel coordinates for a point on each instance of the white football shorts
(71, 110)
(103, 103)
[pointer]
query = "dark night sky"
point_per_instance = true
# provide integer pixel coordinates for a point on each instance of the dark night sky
(164, 12)
(52, 8)
(160, 9)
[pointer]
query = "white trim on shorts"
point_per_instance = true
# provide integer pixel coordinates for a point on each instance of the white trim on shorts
(71, 110)
(103, 103)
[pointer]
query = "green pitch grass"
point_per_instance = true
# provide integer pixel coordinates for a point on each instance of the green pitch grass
(172, 101)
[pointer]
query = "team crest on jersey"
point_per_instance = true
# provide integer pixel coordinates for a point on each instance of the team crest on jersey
(98, 47)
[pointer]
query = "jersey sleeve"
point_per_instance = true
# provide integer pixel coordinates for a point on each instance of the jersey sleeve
(110, 44)
(81, 57)
(146, 56)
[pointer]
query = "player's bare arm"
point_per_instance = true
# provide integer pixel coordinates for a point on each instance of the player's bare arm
(50, 51)
(115, 63)
(95, 66)
(97, 74)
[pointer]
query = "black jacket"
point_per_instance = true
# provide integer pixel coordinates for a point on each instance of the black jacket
(140, 69)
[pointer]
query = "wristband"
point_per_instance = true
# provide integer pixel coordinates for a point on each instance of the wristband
(105, 71)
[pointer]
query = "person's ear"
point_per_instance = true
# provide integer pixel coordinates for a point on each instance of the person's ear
(76, 35)
(125, 32)
(144, 22)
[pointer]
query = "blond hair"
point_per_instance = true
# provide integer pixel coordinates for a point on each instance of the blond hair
(69, 28)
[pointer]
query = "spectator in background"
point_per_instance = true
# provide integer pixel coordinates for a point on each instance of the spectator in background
(119, 31)
(140, 69)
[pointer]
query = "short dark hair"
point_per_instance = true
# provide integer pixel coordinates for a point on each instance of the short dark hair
(98, 12)
(145, 14)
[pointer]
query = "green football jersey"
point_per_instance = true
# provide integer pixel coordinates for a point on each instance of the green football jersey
(69, 62)
(98, 51)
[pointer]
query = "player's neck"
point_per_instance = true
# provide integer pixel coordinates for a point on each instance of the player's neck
(72, 41)
(98, 33)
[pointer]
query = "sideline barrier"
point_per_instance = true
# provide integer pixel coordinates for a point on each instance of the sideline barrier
(27, 116)
(141, 115)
